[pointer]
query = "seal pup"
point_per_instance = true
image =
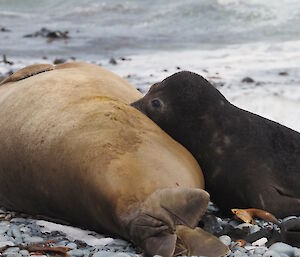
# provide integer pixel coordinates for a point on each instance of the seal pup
(72, 148)
(247, 160)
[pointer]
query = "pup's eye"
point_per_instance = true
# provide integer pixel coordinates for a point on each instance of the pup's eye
(156, 103)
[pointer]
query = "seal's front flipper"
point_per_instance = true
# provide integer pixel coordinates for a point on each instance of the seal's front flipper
(154, 226)
(290, 231)
(28, 72)
(197, 242)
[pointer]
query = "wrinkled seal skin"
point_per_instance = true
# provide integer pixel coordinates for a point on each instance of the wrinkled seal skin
(73, 149)
(247, 160)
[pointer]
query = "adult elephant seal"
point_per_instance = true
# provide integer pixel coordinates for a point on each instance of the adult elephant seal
(73, 149)
(247, 160)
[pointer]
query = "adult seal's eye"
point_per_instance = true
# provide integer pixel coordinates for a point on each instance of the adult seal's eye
(156, 103)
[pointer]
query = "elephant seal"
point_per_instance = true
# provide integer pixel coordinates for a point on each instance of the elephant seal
(247, 160)
(72, 148)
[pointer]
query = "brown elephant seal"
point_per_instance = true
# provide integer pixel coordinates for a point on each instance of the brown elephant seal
(247, 160)
(72, 148)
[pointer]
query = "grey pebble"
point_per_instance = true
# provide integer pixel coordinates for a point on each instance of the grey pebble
(6, 243)
(76, 252)
(18, 241)
(240, 249)
(11, 255)
(260, 250)
(121, 255)
(19, 220)
(271, 253)
(284, 255)
(4, 238)
(296, 252)
(71, 245)
(237, 254)
(62, 243)
(4, 228)
(119, 242)
(33, 239)
(4, 223)
(9, 232)
(244, 225)
(26, 230)
(282, 248)
(254, 229)
(24, 253)
(102, 254)
(226, 240)
(16, 232)
(12, 250)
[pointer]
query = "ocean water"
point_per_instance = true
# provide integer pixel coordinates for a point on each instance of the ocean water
(223, 40)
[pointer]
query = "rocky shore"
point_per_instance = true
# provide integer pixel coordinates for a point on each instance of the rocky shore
(22, 235)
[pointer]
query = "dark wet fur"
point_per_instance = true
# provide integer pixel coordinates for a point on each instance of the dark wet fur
(247, 160)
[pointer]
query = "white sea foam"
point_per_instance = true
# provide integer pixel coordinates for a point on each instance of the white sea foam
(274, 96)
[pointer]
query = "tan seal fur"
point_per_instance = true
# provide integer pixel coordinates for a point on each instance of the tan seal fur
(72, 148)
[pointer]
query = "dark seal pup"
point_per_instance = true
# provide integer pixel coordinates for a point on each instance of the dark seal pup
(247, 160)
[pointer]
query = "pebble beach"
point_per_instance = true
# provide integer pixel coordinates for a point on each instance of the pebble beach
(248, 50)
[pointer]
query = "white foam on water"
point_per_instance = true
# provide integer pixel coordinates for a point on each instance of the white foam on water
(273, 96)
(282, 110)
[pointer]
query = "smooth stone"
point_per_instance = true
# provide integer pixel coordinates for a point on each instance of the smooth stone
(7, 243)
(271, 253)
(4, 238)
(4, 228)
(260, 250)
(76, 252)
(121, 255)
(12, 250)
(9, 232)
(226, 240)
(16, 232)
(4, 223)
(24, 253)
(102, 254)
(119, 242)
(19, 220)
(238, 254)
(250, 247)
(71, 245)
(282, 248)
(12, 255)
(18, 241)
(283, 255)
(254, 229)
(240, 249)
(25, 230)
(62, 243)
(296, 252)
(260, 242)
(86, 251)
(244, 225)
(33, 239)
